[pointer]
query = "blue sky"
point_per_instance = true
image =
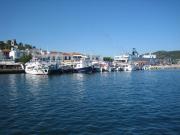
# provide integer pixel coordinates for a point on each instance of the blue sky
(105, 27)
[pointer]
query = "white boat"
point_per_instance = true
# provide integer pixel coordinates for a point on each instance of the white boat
(36, 68)
(129, 67)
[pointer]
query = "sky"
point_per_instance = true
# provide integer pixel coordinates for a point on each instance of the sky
(104, 27)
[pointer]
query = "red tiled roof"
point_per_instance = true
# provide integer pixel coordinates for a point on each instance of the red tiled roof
(53, 52)
(63, 53)
(67, 54)
(75, 53)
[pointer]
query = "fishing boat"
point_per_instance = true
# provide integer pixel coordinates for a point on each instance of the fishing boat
(83, 66)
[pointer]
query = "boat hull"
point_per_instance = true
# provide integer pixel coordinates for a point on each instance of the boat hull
(37, 72)
(84, 70)
(96, 69)
(129, 68)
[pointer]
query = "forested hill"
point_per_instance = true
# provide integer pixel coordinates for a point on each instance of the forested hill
(168, 54)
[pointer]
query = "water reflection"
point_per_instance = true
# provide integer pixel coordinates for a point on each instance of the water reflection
(13, 85)
(35, 83)
(79, 86)
(76, 102)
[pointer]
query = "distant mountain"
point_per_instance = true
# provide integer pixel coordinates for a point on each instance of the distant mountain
(168, 54)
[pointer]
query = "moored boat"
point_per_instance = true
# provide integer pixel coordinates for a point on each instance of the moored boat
(129, 67)
(96, 67)
(83, 66)
(36, 68)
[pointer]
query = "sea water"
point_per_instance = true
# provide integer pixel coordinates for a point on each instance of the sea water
(116, 103)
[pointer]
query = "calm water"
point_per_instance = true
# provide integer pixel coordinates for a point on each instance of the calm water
(136, 103)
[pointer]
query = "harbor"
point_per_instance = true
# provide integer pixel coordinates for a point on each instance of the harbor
(42, 62)
(90, 67)
(83, 64)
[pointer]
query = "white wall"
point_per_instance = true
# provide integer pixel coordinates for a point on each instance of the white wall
(149, 56)
(16, 54)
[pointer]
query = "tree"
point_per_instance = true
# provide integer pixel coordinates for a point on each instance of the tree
(108, 59)
(27, 46)
(168, 54)
(4, 46)
(20, 46)
(25, 58)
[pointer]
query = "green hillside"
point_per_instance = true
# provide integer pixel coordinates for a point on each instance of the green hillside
(21, 46)
(168, 54)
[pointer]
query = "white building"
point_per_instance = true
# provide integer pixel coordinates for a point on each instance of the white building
(16, 53)
(51, 56)
(149, 56)
(94, 57)
(122, 58)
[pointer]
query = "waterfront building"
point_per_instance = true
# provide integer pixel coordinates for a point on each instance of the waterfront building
(52, 56)
(94, 57)
(63, 58)
(70, 58)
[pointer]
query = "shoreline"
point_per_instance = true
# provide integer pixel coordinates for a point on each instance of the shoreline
(20, 71)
